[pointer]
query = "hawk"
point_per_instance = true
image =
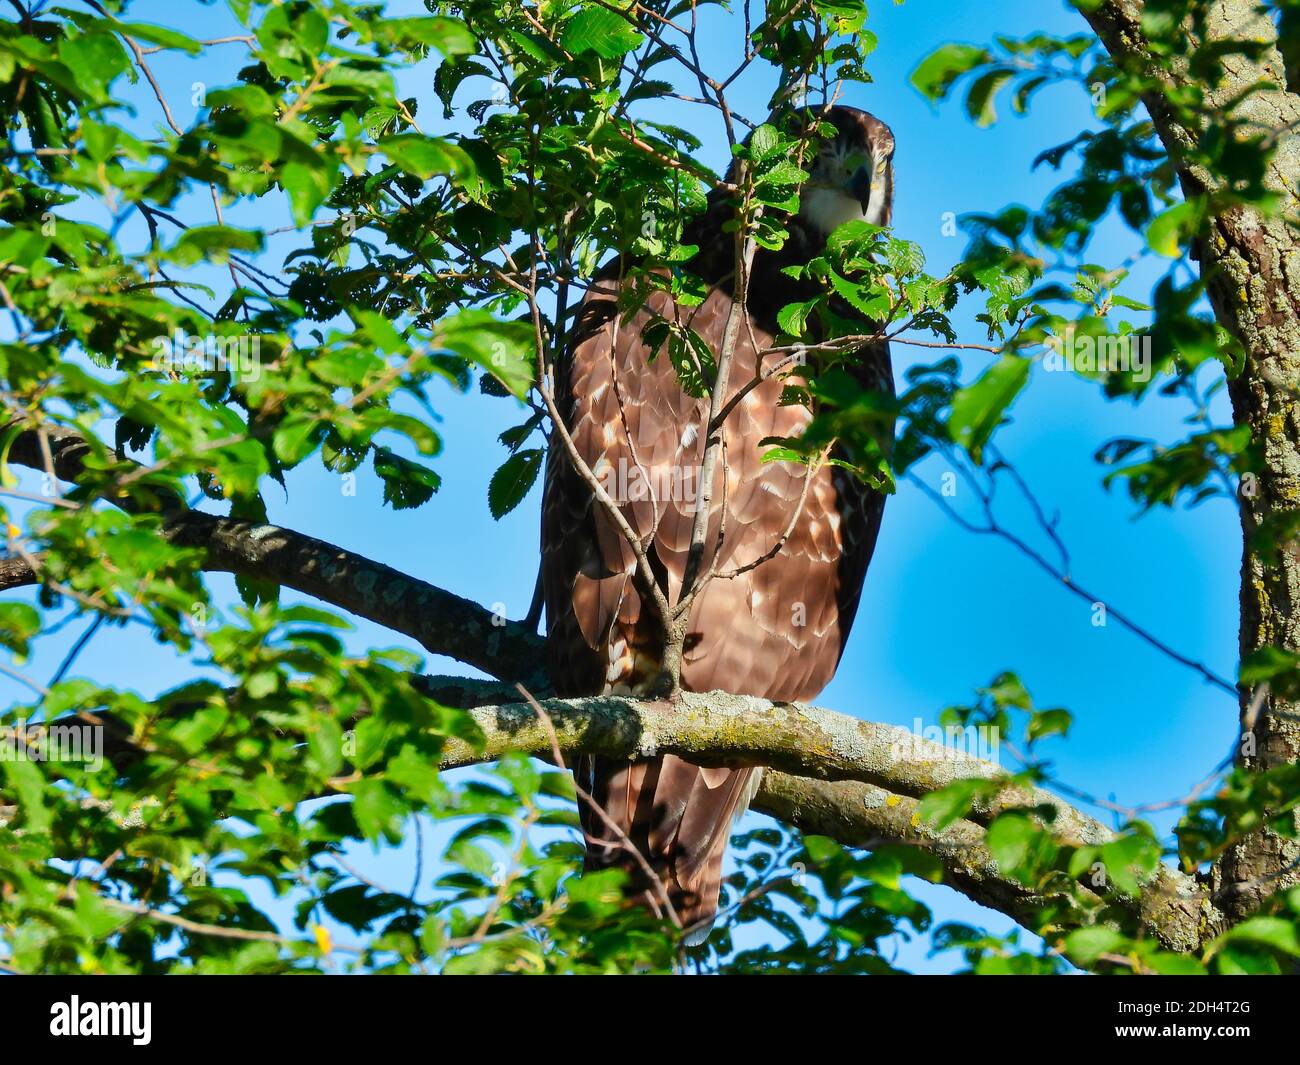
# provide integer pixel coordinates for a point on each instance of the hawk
(774, 626)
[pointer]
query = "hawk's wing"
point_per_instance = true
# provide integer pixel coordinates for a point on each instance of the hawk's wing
(775, 629)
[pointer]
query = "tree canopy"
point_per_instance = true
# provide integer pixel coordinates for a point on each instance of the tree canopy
(162, 372)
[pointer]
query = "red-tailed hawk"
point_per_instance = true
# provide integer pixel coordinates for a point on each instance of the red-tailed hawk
(775, 629)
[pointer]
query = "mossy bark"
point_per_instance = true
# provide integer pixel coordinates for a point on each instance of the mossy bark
(1250, 262)
(856, 781)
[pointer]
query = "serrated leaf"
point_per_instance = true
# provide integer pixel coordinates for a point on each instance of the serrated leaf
(978, 409)
(512, 481)
(793, 317)
(406, 484)
(598, 30)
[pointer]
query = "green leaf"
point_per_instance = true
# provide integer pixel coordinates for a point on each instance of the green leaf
(937, 72)
(978, 409)
(599, 30)
(95, 59)
(1130, 861)
(793, 317)
(1277, 933)
(982, 95)
(512, 481)
(1044, 723)
(1083, 945)
(406, 484)
(307, 186)
(1130, 304)
(449, 35)
(1007, 689)
(1167, 964)
(28, 782)
(783, 454)
(765, 143)
(783, 174)
(1265, 663)
(162, 36)
(1010, 839)
(213, 243)
(433, 935)
(425, 156)
(537, 46)
(904, 257)
(18, 624)
(941, 808)
(504, 349)
(379, 812)
(1169, 229)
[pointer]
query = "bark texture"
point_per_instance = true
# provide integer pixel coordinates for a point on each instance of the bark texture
(1173, 908)
(1250, 261)
(856, 781)
(438, 619)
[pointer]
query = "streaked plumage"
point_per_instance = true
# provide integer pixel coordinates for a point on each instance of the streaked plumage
(775, 631)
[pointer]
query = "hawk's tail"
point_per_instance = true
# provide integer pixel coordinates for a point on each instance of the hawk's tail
(678, 815)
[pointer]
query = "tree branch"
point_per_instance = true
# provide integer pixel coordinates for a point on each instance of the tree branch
(865, 816)
(856, 781)
(443, 623)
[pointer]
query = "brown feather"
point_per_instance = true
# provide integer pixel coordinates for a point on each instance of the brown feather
(776, 631)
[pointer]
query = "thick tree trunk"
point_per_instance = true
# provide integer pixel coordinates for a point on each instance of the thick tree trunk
(1251, 264)
(1262, 263)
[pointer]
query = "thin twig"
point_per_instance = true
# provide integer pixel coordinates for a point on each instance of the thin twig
(655, 881)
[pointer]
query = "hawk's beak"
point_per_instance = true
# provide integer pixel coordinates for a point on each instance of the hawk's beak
(860, 187)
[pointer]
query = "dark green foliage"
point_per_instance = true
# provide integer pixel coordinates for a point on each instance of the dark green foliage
(420, 245)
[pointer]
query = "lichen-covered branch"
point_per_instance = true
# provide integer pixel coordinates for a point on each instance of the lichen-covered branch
(1174, 908)
(717, 728)
(443, 623)
(863, 815)
(856, 781)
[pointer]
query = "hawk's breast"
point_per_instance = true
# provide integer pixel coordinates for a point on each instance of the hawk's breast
(767, 626)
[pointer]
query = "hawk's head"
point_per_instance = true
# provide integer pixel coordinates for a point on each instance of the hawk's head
(852, 173)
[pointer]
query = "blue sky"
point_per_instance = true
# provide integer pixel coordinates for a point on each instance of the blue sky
(943, 611)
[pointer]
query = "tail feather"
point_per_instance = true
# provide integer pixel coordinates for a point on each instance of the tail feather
(678, 815)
